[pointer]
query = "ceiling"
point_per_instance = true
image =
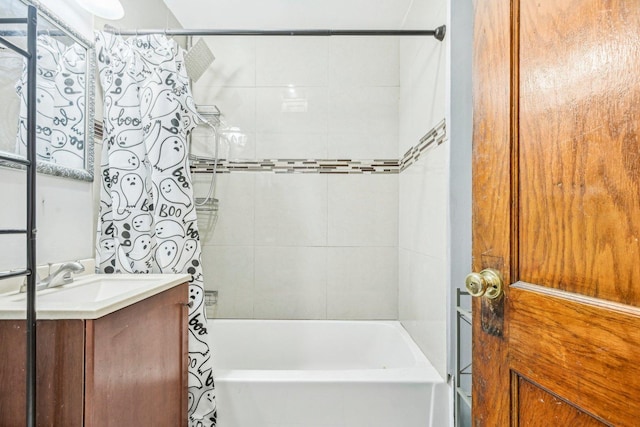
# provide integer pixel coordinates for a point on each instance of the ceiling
(290, 14)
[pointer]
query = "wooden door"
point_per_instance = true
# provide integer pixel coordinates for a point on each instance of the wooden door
(556, 192)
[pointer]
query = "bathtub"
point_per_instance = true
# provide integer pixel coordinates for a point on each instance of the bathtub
(305, 373)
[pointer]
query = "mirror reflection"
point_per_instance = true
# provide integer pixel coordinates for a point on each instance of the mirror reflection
(64, 127)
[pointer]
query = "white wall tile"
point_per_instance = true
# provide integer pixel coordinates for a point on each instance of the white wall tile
(425, 14)
(228, 267)
(291, 210)
(235, 63)
(363, 109)
(363, 122)
(291, 146)
(291, 110)
(237, 105)
(422, 90)
(422, 304)
(363, 210)
(363, 61)
(423, 207)
(232, 144)
(236, 144)
(300, 61)
(236, 134)
(362, 145)
(233, 225)
(290, 282)
(230, 271)
(362, 283)
(234, 304)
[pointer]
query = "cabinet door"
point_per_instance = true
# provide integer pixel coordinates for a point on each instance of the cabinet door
(60, 355)
(136, 364)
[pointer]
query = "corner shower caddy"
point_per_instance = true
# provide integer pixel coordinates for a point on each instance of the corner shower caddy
(31, 22)
(211, 116)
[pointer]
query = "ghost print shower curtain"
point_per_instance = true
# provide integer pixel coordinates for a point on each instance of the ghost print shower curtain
(147, 218)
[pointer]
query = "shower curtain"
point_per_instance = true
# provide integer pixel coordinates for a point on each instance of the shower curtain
(147, 214)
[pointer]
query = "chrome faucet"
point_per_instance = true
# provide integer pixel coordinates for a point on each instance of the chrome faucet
(62, 276)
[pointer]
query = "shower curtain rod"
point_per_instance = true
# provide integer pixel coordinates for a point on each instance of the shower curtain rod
(438, 33)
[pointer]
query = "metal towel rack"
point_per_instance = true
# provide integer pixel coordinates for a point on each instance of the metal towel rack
(31, 22)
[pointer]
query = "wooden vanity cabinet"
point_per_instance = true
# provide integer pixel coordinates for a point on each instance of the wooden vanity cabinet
(127, 368)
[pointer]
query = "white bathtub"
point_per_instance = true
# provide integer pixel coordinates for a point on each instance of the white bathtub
(272, 373)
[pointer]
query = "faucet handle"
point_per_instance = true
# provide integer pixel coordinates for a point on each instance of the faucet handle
(66, 278)
(23, 288)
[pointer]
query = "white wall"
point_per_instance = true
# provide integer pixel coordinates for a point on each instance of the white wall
(310, 246)
(423, 202)
(64, 207)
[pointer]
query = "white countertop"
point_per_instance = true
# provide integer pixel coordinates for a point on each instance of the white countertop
(90, 296)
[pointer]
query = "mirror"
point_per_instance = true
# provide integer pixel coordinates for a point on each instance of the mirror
(65, 95)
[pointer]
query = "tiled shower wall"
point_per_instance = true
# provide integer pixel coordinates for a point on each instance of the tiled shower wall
(306, 244)
(424, 187)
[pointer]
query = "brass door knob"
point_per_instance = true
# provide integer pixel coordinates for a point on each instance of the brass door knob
(487, 283)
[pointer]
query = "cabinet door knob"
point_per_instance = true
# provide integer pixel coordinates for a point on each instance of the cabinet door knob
(487, 283)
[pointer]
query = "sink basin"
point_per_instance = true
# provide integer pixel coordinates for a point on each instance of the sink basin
(90, 296)
(93, 289)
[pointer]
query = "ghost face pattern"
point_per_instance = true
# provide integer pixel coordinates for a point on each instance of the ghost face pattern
(166, 254)
(188, 254)
(171, 192)
(169, 154)
(148, 223)
(141, 248)
(124, 160)
(142, 223)
(132, 189)
(169, 228)
(129, 138)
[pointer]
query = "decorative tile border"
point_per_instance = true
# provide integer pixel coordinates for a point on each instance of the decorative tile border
(324, 166)
(436, 135)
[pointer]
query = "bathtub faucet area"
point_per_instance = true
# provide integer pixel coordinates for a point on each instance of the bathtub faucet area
(62, 276)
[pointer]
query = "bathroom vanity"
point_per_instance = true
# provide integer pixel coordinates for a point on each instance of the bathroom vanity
(112, 351)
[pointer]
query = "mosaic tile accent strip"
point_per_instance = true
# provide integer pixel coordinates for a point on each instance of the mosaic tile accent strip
(324, 166)
(98, 130)
(436, 135)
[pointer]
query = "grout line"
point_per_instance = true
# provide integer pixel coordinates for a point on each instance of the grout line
(406, 14)
(253, 244)
(326, 259)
